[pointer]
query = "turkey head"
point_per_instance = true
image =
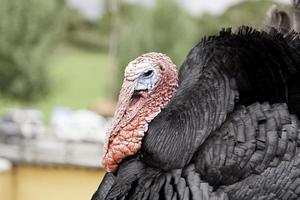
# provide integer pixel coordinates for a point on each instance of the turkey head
(149, 83)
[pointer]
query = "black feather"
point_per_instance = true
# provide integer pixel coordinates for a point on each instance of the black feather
(218, 127)
(262, 67)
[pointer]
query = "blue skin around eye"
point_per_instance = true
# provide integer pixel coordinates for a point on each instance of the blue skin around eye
(147, 82)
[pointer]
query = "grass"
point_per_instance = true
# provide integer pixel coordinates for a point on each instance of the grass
(78, 77)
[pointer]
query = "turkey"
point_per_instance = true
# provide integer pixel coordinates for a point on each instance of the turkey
(226, 126)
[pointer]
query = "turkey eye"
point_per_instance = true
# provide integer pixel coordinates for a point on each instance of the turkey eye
(148, 73)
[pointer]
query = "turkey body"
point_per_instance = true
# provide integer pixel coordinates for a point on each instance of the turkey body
(231, 131)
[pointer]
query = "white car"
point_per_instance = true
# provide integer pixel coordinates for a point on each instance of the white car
(22, 122)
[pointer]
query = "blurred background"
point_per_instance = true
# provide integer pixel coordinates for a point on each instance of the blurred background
(61, 67)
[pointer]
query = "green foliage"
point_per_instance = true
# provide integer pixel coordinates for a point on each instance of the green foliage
(28, 30)
(250, 12)
(78, 77)
(174, 31)
(165, 28)
(88, 34)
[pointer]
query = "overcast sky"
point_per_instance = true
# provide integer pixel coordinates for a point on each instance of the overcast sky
(93, 9)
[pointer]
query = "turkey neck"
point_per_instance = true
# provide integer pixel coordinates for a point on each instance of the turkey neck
(199, 107)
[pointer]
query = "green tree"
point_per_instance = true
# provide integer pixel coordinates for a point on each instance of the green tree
(28, 31)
